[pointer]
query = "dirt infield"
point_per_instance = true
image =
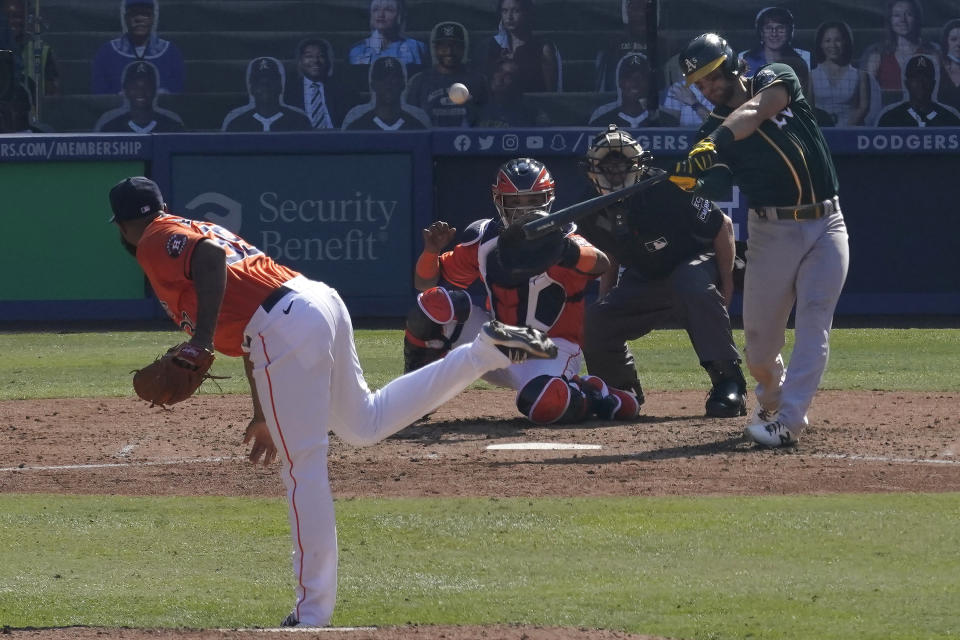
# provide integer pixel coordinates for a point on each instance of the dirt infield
(858, 442)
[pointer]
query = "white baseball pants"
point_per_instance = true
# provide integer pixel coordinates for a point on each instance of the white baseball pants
(567, 363)
(309, 382)
(788, 261)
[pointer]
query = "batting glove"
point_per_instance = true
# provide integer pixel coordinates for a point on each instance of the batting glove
(703, 156)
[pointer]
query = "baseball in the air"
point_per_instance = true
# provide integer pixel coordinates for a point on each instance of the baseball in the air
(458, 93)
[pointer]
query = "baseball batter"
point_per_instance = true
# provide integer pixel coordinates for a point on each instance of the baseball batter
(296, 339)
(763, 137)
(546, 292)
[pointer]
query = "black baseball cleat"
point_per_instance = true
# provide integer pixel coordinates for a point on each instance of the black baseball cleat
(728, 396)
(518, 343)
(290, 620)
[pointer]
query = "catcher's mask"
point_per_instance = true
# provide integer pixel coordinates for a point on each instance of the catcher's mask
(522, 185)
(615, 160)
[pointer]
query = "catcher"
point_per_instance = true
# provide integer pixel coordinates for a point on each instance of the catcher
(537, 283)
(296, 340)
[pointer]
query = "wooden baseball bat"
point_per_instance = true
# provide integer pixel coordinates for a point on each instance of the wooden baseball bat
(542, 226)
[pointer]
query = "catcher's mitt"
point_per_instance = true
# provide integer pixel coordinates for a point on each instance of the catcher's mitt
(175, 376)
(516, 258)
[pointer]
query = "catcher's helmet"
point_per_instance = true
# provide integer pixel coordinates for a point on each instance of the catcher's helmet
(615, 160)
(522, 185)
(704, 54)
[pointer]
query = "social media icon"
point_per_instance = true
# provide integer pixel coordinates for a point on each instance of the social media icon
(558, 142)
(461, 143)
(510, 142)
(485, 142)
(534, 142)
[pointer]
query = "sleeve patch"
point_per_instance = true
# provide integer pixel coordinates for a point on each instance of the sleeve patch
(703, 206)
(176, 244)
(763, 78)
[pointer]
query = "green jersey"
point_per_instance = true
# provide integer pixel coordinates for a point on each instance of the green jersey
(785, 162)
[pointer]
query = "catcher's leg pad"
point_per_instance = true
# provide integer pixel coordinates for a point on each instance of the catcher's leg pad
(433, 325)
(548, 399)
(606, 402)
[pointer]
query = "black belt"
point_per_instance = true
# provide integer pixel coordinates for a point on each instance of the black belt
(803, 212)
(271, 300)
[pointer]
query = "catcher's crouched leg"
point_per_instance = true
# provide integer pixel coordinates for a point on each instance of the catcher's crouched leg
(548, 399)
(606, 402)
(433, 325)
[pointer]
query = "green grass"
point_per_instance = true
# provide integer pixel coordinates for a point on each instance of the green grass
(52, 365)
(866, 566)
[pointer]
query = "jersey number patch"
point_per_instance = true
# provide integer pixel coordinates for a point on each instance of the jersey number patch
(234, 246)
(781, 118)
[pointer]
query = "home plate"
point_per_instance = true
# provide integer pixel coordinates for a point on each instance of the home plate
(299, 629)
(540, 446)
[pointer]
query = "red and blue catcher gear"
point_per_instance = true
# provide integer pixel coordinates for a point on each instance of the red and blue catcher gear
(552, 302)
(521, 185)
(424, 340)
(606, 402)
(547, 399)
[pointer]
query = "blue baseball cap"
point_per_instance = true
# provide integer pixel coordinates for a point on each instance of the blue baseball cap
(135, 197)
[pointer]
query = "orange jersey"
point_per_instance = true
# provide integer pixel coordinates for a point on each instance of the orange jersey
(552, 301)
(165, 252)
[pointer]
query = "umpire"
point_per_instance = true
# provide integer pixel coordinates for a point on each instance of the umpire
(676, 258)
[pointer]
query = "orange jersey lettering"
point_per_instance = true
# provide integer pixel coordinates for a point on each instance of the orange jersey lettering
(165, 252)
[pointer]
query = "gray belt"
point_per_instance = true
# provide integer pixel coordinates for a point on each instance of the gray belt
(802, 212)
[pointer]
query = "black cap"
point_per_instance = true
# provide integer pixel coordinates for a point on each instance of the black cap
(450, 31)
(135, 197)
(387, 67)
(140, 69)
(920, 66)
(264, 66)
(633, 63)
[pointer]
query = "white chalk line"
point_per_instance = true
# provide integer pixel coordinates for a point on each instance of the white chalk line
(850, 456)
(114, 465)
(176, 461)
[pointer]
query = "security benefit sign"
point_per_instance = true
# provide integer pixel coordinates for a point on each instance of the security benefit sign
(343, 219)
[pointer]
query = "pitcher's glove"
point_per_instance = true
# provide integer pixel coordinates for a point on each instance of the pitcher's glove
(175, 376)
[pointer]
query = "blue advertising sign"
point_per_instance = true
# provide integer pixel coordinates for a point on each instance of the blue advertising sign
(47, 148)
(322, 215)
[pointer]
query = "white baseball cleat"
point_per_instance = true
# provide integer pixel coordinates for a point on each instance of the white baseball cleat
(518, 343)
(761, 416)
(771, 434)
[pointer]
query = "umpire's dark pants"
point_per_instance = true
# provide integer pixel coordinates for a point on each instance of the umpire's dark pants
(636, 306)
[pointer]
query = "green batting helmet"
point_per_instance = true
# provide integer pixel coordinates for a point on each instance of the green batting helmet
(704, 54)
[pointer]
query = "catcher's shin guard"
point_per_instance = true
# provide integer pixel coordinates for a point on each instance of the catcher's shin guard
(608, 402)
(548, 399)
(433, 325)
(728, 396)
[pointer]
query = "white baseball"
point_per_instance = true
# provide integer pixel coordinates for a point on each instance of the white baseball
(458, 93)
